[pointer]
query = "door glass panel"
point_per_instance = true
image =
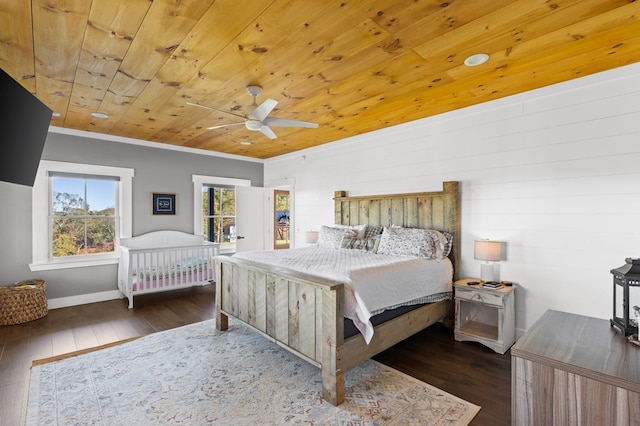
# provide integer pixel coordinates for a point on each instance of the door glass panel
(282, 215)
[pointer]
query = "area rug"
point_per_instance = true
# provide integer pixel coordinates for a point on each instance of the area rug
(196, 375)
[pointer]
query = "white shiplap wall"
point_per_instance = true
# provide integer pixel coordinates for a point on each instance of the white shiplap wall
(555, 173)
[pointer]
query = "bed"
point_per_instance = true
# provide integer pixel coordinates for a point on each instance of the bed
(304, 312)
(164, 260)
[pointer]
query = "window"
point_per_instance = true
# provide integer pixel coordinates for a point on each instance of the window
(80, 212)
(82, 216)
(215, 215)
(219, 215)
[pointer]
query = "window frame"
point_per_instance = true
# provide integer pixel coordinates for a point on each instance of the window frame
(41, 201)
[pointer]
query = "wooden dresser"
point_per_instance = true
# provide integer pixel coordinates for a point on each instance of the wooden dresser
(571, 369)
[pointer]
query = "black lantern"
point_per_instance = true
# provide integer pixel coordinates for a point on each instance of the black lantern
(625, 278)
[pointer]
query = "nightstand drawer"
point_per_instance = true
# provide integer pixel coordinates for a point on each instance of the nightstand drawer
(480, 296)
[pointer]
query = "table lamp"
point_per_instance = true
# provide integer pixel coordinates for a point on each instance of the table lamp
(311, 237)
(489, 251)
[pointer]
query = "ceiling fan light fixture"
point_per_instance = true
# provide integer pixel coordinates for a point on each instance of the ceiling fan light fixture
(253, 125)
(477, 59)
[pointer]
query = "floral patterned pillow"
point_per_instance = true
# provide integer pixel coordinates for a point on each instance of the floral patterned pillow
(417, 242)
(332, 237)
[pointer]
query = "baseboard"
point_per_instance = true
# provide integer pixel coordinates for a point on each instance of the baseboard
(82, 299)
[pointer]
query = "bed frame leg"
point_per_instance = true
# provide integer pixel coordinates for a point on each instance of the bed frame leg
(333, 386)
(222, 321)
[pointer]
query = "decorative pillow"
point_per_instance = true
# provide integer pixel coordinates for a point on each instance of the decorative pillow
(406, 242)
(359, 229)
(362, 244)
(427, 243)
(448, 245)
(332, 237)
(372, 231)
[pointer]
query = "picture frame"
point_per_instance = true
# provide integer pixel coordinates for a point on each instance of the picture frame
(164, 204)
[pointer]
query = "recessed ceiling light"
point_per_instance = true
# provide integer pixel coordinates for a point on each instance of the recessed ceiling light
(55, 114)
(477, 59)
(245, 143)
(99, 115)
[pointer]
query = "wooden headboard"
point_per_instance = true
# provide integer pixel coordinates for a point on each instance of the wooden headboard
(437, 210)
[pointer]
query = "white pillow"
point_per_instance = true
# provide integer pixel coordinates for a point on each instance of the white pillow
(331, 237)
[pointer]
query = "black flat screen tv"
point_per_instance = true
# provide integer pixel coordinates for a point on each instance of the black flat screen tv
(24, 123)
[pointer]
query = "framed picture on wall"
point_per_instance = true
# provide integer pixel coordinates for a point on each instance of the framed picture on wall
(164, 203)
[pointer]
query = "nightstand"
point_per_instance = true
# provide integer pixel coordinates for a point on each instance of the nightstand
(485, 315)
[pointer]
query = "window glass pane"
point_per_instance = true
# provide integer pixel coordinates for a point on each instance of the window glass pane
(68, 196)
(282, 202)
(223, 230)
(216, 202)
(228, 201)
(101, 197)
(68, 237)
(101, 234)
(229, 229)
(216, 229)
(205, 203)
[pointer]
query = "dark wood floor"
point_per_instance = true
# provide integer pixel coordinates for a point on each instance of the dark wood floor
(467, 370)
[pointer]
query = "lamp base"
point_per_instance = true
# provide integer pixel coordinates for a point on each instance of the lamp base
(486, 272)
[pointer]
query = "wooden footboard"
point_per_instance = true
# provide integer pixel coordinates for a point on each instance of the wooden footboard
(305, 315)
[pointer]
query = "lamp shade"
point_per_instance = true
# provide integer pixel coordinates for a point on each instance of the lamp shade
(487, 250)
(311, 237)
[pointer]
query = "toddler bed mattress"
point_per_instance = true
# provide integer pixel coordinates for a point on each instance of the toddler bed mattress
(156, 278)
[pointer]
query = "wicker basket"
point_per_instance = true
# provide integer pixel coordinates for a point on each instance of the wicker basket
(23, 302)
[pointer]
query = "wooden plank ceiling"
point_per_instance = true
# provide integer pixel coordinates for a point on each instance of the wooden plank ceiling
(352, 66)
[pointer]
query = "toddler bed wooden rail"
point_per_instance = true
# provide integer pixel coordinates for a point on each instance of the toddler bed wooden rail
(164, 260)
(305, 314)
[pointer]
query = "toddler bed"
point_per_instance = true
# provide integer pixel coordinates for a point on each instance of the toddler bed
(164, 260)
(304, 311)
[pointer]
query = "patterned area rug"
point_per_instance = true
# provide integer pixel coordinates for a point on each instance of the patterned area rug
(195, 375)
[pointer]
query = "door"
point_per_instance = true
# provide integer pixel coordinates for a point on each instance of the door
(251, 218)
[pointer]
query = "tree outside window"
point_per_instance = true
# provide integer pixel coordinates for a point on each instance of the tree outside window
(83, 216)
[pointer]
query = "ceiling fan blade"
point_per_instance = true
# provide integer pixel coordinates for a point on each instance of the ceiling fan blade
(283, 122)
(216, 110)
(261, 112)
(266, 130)
(223, 125)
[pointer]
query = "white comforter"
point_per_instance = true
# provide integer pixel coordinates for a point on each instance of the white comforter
(373, 282)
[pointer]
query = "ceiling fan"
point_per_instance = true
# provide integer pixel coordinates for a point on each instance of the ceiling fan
(257, 117)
